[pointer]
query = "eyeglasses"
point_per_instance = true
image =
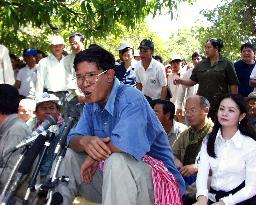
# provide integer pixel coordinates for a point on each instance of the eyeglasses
(191, 111)
(91, 78)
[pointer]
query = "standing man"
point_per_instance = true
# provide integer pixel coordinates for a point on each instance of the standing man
(150, 74)
(119, 127)
(244, 69)
(76, 97)
(26, 77)
(6, 70)
(52, 76)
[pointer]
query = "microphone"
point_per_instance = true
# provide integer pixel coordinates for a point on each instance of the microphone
(63, 138)
(49, 120)
(26, 165)
(57, 199)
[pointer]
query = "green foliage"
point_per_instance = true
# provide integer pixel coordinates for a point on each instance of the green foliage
(26, 23)
(234, 23)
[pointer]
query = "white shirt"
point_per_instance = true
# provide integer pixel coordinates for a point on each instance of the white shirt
(69, 67)
(152, 79)
(28, 78)
(6, 70)
(52, 75)
(183, 92)
(253, 76)
(235, 163)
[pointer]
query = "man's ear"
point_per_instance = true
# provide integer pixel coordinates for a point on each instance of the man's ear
(206, 109)
(111, 74)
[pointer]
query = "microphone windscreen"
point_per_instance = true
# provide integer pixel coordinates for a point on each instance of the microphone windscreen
(31, 155)
(57, 199)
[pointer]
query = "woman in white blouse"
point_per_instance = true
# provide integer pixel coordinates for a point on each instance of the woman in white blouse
(230, 153)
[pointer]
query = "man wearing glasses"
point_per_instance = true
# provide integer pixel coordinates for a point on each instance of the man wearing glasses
(115, 140)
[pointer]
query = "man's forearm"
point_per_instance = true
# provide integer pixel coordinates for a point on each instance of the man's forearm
(252, 83)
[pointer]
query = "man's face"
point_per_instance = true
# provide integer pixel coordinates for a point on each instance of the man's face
(25, 113)
(57, 50)
(194, 113)
(247, 55)
(176, 66)
(158, 108)
(94, 83)
(146, 54)
(30, 61)
(252, 106)
(46, 108)
(76, 44)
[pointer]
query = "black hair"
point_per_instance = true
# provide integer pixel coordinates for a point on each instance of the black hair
(9, 99)
(158, 57)
(168, 107)
(125, 50)
(81, 36)
(217, 43)
(247, 45)
(196, 54)
(245, 126)
(102, 58)
(44, 55)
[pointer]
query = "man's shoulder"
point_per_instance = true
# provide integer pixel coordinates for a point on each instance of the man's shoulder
(156, 64)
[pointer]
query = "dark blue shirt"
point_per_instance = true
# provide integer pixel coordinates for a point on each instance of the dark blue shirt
(126, 76)
(243, 72)
(131, 124)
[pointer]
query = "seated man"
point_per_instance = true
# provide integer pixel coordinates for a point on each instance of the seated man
(12, 131)
(117, 126)
(188, 144)
(48, 104)
(165, 111)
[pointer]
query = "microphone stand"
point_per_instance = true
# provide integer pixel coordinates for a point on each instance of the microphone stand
(54, 179)
(32, 181)
(4, 199)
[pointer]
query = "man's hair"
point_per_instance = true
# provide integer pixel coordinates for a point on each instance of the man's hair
(204, 102)
(81, 36)
(196, 54)
(9, 99)
(247, 45)
(95, 54)
(168, 107)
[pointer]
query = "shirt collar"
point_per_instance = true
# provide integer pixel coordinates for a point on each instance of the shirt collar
(109, 107)
(236, 139)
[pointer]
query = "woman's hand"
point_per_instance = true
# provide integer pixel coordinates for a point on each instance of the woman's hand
(201, 200)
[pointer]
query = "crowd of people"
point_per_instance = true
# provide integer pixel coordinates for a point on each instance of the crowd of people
(144, 133)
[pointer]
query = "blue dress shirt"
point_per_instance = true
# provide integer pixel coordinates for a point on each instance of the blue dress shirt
(131, 124)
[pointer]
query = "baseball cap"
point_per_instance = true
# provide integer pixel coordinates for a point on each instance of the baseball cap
(252, 95)
(46, 97)
(124, 45)
(176, 58)
(146, 44)
(56, 40)
(29, 52)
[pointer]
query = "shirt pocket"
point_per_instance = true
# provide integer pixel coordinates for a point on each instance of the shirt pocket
(99, 133)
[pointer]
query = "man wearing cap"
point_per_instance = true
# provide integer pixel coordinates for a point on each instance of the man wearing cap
(125, 72)
(52, 76)
(48, 104)
(26, 77)
(150, 74)
(176, 65)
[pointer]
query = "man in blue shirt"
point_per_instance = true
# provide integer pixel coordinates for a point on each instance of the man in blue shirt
(119, 127)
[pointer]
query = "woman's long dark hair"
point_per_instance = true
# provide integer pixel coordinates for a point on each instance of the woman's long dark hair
(245, 126)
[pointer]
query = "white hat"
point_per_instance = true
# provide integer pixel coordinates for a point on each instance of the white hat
(176, 57)
(124, 45)
(56, 40)
(46, 97)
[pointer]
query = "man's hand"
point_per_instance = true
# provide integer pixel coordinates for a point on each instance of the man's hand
(81, 99)
(188, 170)
(219, 203)
(88, 170)
(201, 200)
(96, 147)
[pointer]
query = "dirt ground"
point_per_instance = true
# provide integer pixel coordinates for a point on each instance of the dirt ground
(81, 201)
